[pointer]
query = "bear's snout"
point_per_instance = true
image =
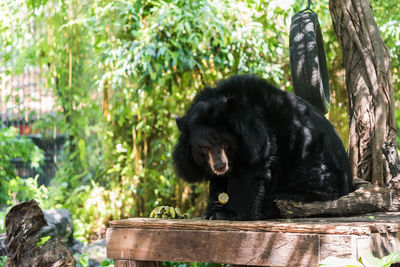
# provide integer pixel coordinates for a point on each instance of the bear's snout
(220, 166)
(218, 161)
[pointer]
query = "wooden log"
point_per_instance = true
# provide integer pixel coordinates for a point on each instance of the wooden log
(366, 198)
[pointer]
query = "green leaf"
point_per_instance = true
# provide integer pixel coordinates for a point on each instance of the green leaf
(82, 150)
(107, 262)
(336, 262)
(43, 240)
(389, 259)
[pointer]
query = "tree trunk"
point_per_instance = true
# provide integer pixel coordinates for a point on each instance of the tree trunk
(369, 85)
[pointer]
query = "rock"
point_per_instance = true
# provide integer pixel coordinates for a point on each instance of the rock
(59, 223)
(76, 247)
(97, 252)
(23, 223)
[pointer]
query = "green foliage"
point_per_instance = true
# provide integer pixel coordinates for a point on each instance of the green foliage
(3, 221)
(13, 146)
(26, 189)
(43, 240)
(364, 261)
(82, 260)
(3, 260)
(385, 261)
(19, 190)
(388, 17)
(107, 262)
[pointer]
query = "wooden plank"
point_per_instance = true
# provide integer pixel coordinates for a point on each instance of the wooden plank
(379, 245)
(341, 246)
(123, 263)
(146, 242)
(384, 244)
(231, 247)
(341, 226)
(364, 249)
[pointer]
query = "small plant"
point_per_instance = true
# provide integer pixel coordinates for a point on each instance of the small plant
(383, 262)
(365, 261)
(82, 260)
(108, 262)
(43, 240)
(3, 260)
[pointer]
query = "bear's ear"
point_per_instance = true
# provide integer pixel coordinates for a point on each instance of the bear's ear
(228, 105)
(182, 125)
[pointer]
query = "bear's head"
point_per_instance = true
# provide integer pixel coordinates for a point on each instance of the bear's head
(211, 148)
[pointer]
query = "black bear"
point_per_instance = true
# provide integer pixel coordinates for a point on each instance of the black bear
(256, 143)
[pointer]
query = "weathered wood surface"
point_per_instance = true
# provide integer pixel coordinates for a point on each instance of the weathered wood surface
(360, 225)
(298, 242)
(234, 247)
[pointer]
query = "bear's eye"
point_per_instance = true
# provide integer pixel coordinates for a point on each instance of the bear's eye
(225, 145)
(204, 150)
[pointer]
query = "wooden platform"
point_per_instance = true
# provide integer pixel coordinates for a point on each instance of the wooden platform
(299, 242)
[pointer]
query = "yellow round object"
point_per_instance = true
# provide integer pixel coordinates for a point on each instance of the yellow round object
(223, 198)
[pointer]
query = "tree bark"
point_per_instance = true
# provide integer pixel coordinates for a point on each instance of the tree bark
(365, 199)
(369, 85)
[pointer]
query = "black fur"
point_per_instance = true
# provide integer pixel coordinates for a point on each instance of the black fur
(277, 146)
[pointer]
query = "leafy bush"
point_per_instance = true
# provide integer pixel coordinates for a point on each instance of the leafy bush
(3, 221)
(26, 189)
(14, 146)
(82, 260)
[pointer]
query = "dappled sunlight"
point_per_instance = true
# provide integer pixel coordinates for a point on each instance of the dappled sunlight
(298, 242)
(201, 241)
(96, 199)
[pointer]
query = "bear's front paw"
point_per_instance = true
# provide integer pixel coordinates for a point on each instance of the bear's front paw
(215, 216)
(220, 215)
(208, 215)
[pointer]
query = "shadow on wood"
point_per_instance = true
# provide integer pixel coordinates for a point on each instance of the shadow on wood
(298, 242)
